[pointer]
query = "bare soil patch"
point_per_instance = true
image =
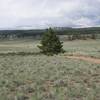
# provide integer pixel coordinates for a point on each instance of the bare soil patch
(85, 58)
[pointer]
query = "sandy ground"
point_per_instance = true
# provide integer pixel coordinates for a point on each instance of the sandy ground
(85, 58)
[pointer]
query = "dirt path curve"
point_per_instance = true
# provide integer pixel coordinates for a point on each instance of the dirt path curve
(85, 58)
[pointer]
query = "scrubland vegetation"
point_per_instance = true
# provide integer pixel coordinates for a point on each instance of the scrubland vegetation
(27, 75)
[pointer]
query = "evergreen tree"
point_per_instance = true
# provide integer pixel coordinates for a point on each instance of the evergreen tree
(50, 43)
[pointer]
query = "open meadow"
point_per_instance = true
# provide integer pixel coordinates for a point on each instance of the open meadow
(25, 74)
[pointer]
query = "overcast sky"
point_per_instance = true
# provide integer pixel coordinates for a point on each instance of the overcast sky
(45, 13)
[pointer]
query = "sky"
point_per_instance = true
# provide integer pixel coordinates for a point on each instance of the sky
(27, 14)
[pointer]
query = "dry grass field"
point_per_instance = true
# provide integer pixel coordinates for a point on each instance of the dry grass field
(27, 75)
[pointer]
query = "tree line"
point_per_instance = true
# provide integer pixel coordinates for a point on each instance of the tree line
(71, 33)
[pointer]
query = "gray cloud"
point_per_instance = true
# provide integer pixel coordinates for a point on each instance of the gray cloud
(44, 13)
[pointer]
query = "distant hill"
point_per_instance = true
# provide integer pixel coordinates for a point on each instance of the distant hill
(58, 30)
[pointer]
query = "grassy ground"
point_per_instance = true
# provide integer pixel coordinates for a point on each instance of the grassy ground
(38, 77)
(89, 47)
(84, 47)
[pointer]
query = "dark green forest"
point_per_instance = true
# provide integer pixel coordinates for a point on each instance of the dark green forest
(71, 33)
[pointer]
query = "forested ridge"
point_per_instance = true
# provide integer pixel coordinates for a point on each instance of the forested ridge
(76, 32)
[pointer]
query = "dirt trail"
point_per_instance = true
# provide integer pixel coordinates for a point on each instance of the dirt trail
(85, 58)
